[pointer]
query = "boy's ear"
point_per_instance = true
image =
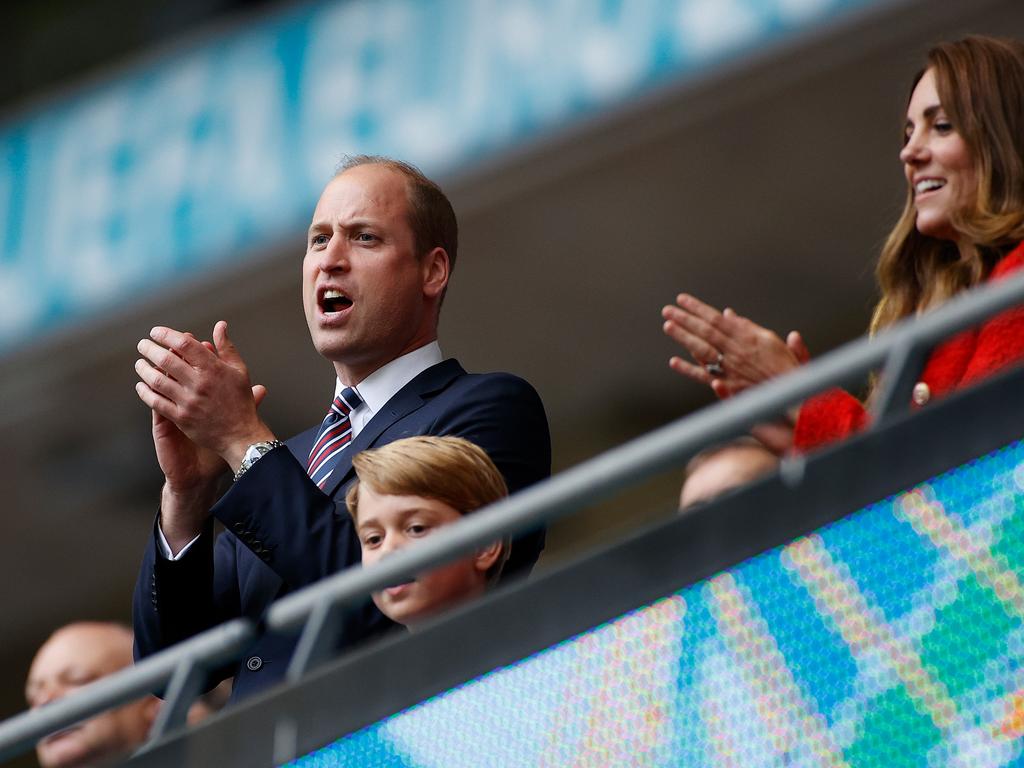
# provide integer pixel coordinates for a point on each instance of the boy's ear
(487, 557)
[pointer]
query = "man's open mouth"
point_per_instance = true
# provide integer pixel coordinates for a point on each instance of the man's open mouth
(334, 301)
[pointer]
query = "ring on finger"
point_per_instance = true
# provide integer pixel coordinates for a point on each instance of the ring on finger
(716, 368)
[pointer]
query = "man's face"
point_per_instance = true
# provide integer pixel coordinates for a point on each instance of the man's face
(76, 656)
(387, 523)
(367, 297)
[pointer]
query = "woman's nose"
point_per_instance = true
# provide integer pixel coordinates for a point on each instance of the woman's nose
(914, 150)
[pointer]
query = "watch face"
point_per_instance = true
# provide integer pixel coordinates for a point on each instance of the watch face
(252, 454)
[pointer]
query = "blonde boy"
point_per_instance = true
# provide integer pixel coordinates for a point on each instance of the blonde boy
(407, 490)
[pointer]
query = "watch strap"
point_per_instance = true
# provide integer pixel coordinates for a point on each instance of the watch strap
(254, 453)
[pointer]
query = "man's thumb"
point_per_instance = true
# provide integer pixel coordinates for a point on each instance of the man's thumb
(225, 347)
(258, 393)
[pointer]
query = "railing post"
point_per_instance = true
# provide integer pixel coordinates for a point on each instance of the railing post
(903, 365)
(186, 684)
(317, 640)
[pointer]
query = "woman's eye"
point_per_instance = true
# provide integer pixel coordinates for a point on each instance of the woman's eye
(371, 541)
(944, 126)
(417, 529)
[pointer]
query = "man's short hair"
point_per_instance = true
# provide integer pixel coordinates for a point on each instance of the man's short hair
(431, 216)
(449, 469)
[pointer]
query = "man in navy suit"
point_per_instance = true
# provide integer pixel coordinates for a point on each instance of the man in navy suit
(380, 251)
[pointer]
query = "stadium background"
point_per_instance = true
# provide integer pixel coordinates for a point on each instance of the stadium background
(764, 177)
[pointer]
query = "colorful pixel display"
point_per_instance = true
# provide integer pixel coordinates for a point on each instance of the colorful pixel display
(893, 637)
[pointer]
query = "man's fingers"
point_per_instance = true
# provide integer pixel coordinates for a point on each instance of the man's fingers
(157, 381)
(165, 360)
(796, 345)
(185, 345)
(258, 393)
(161, 406)
(226, 349)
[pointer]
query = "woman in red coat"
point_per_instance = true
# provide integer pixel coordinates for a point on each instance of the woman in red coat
(963, 224)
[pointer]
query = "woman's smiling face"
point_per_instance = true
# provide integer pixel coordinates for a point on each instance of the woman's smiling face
(937, 163)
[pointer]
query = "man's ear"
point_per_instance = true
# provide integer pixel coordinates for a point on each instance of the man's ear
(487, 557)
(436, 269)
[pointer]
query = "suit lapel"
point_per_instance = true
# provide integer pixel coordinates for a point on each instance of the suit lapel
(301, 444)
(408, 399)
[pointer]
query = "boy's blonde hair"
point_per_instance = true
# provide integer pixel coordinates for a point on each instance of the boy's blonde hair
(449, 469)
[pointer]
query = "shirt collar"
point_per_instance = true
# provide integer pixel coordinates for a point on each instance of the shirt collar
(384, 383)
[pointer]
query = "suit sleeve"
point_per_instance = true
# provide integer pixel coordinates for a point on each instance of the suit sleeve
(504, 415)
(287, 522)
(176, 599)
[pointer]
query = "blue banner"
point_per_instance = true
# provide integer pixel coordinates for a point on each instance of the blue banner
(219, 149)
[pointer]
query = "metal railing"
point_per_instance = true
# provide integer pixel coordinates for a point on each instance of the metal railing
(180, 670)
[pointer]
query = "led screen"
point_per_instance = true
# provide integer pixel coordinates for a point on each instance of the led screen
(892, 637)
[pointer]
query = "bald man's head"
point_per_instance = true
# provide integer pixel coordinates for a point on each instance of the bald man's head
(74, 656)
(724, 467)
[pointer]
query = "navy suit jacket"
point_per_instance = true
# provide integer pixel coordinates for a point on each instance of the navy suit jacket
(283, 533)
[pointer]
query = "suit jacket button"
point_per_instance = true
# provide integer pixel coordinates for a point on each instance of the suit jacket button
(922, 393)
(253, 663)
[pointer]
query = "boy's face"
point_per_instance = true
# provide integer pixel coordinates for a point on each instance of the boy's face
(387, 523)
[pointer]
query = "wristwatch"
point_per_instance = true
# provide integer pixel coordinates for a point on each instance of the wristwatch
(254, 453)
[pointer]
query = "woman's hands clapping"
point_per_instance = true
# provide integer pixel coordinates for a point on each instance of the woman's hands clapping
(729, 352)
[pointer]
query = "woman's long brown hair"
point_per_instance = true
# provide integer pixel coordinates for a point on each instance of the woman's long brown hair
(980, 82)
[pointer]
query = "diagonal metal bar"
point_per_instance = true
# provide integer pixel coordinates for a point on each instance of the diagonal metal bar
(902, 367)
(317, 640)
(216, 646)
(186, 684)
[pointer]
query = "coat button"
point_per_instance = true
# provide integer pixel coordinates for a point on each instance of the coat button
(921, 394)
(254, 663)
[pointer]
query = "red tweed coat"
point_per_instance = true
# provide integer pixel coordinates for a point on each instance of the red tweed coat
(966, 357)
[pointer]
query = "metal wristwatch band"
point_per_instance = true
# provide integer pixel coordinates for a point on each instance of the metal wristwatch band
(254, 453)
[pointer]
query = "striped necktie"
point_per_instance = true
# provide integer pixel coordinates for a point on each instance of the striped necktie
(335, 433)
